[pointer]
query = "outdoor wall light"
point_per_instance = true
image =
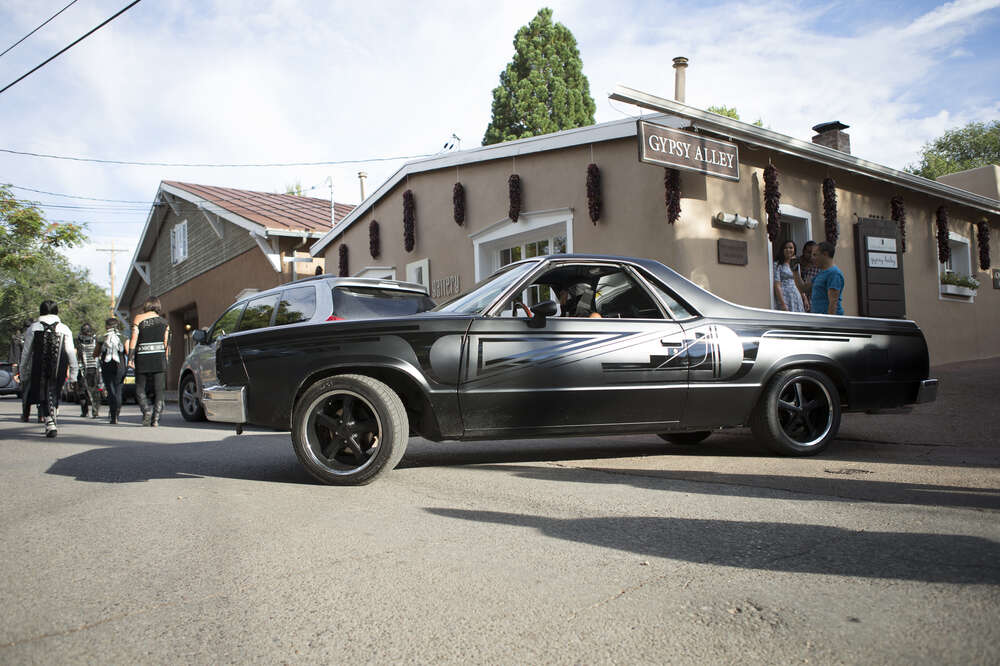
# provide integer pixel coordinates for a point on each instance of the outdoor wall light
(736, 220)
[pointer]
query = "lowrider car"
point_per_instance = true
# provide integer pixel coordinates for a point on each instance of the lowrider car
(564, 345)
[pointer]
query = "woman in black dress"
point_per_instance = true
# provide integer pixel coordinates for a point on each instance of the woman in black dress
(149, 344)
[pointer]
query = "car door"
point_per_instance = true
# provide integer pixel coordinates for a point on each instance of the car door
(621, 368)
(202, 357)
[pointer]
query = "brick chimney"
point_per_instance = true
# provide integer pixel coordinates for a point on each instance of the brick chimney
(832, 135)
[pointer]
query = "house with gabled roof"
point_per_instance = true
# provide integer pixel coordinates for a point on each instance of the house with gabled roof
(202, 246)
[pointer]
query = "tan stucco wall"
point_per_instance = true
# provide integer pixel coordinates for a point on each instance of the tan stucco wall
(633, 223)
(984, 180)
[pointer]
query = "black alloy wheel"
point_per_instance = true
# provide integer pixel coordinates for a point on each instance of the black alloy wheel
(349, 429)
(798, 414)
(188, 402)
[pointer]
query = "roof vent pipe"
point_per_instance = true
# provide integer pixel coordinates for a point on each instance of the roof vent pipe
(361, 179)
(680, 64)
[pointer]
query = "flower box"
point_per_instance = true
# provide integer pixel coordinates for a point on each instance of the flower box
(955, 290)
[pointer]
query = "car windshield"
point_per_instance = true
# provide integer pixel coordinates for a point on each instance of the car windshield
(351, 302)
(487, 291)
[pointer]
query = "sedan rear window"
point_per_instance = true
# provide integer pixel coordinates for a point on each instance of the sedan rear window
(366, 302)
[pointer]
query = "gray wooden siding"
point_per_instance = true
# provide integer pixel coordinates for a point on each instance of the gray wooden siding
(205, 250)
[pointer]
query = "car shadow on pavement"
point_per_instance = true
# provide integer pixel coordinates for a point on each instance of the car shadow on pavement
(782, 547)
(807, 488)
(247, 457)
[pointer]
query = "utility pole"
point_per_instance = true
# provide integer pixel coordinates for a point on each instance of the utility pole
(111, 270)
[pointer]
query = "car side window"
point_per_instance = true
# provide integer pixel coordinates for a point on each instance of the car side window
(226, 323)
(677, 309)
(298, 304)
(258, 313)
(619, 296)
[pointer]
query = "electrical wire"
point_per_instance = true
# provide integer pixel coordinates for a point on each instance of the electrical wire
(205, 165)
(38, 28)
(24, 76)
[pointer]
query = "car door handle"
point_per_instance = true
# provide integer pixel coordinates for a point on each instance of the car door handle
(667, 342)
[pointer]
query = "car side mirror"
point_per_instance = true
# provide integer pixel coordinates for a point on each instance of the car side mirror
(542, 310)
(199, 336)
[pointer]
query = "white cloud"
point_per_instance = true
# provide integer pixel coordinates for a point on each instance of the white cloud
(282, 81)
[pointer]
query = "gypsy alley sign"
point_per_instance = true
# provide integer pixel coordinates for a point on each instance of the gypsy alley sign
(683, 150)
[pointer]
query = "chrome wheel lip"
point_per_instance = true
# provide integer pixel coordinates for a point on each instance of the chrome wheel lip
(309, 432)
(828, 405)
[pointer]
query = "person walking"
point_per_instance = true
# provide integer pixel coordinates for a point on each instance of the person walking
(49, 357)
(14, 355)
(828, 285)
(149, 344)
(788, 288)
(86, 345)
(112, 352)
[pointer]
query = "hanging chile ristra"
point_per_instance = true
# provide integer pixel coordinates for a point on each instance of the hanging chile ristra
(458, 201)
(514, 191)
(944, 249)
(830, 211)
(983, 241)
(374, 243)
(772, 197)
(343, 261)
(409, 215)
(594, 192)
(672, 194)
(899, 217)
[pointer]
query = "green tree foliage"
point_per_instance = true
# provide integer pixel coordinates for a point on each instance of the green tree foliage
(24, 233)
(295, 188)
(973, 145)
(51, 277)
(543, 89)
(731, 112)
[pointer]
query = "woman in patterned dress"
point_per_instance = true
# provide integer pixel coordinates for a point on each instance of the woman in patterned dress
(788, 287)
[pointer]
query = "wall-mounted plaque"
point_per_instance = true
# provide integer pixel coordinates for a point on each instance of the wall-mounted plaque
(733, 252)
(682, 150)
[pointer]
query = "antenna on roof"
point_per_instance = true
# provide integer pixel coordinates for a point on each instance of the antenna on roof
(333, 211)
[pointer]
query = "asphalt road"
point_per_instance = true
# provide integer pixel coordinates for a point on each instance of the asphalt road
(184, 544)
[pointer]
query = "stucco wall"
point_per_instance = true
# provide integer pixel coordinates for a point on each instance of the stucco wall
(633, 224)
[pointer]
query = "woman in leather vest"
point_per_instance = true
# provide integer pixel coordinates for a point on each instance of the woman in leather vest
(149, 345)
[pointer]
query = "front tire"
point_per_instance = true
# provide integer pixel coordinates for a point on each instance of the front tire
(188, 402)
(349, 429)
(798, 413)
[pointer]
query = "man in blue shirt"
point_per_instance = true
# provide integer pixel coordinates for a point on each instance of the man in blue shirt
(828, 285)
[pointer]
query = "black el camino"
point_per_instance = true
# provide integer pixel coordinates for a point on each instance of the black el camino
(564, 345)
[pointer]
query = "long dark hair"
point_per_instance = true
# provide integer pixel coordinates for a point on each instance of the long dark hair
(781, 251)
(152, 304)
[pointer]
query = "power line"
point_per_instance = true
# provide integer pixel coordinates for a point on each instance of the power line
(37, 29)
(236, 166)
(24, 76)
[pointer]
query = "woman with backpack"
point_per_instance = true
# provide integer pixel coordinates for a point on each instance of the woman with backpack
(112, 352)
(47, 356)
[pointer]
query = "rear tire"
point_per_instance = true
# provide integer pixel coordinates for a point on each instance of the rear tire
(685, 438)
(349, 429)
(798, 414)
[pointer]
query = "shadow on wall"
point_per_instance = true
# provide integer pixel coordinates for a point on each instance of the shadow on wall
(931, 558)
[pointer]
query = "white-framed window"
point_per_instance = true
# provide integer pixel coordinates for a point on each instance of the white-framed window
(533, 235)
(379, 272)
(419, 272)
(960, 261)
(179, 243)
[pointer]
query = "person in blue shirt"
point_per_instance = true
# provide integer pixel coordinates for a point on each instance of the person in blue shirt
(828, 285)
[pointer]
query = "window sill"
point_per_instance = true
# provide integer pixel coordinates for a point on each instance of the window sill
(955, 290)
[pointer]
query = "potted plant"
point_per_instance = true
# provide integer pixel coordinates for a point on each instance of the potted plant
(956, 284)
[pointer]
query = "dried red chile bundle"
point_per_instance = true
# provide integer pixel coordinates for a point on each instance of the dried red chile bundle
(409, 215)
(672, 194)
(343, 261)
(594, 192)
(514, 188)
(830, 210)
(772, 197)
(899, 217)
(944, 249)
(374, 243)
(983, 241)
(458, 200)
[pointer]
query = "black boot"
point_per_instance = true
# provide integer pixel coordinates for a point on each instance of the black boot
(157, 410)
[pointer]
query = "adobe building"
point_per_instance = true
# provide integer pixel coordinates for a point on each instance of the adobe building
(452, 220)
(204, 246)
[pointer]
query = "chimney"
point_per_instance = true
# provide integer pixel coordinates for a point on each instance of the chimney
(680, 64)
(361, 179)
(832, 135)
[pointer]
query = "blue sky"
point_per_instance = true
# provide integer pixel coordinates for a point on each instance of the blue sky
(235, 81)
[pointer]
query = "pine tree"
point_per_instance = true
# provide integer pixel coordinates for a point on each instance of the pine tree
(543, 89)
